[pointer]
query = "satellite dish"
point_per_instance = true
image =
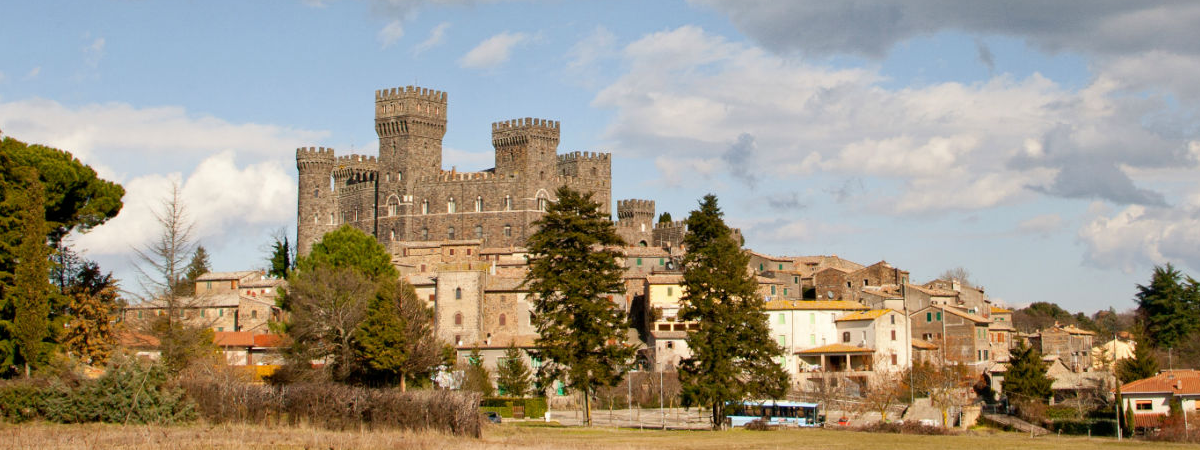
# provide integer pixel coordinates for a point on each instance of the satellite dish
(670, 265)
(829, 294)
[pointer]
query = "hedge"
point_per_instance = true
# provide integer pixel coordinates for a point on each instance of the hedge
(131, 391)
(534, 407)
(1097, 427)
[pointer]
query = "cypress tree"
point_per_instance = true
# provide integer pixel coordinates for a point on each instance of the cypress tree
(733, 355)
(1026, 376)
(30, 297)
(574, 274)
(513, 374)
(1167, 308)
(281, 259)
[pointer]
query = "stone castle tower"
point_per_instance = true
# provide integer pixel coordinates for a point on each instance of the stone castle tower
(637, 226)
(403, 194)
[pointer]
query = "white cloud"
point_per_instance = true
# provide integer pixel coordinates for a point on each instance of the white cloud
(33, 73)
(390, 33)
(597, 45)
(436, 35)
(689, 94)
(493, 51)
(94, 52)
(1139, 236)
(1042, 225)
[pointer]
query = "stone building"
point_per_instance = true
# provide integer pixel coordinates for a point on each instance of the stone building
(962, 337)
(1071, 345)
(223, 301)
(404, 194)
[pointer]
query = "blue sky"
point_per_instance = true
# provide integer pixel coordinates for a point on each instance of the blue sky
(1050, 149)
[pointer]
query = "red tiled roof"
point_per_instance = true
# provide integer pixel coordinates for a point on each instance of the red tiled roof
(132, 339)
(1177, 382)
(1148, 420)
(233, 338)
(267, 340)
(923, 344)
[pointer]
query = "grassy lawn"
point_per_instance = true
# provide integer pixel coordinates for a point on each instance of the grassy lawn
(51, 436)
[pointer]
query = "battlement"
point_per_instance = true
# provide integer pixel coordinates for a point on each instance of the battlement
(635, 208)
(526, 123)
(584, 156)
(314, 154)
(670, 225)
(410, 92)
(356, 160)
(453, 175)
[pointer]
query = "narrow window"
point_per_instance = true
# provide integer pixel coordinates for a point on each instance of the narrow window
(478, 204)
(508, 231)
(458, 319)
(670, 291)
(451, 207)
(503, 320)
(894, 362)
(639, 261)
(772, 289)
(458, 293)
(929, 317)
(316, 193)
(781, 267)
(478, 231)
(392, 235)
(450, 233)
(508, 203)
(254, 314)
(893, 335)
(845, 336)
(202, 311)
(541, 204)
(399, 176)
(424, 235)
(424, 206)
(939, 316)
(893, 319)
(782, 319)
(782, 341)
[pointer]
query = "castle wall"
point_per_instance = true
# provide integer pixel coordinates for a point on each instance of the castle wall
(458, 305)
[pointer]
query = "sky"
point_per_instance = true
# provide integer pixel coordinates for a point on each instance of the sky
(1050, 148)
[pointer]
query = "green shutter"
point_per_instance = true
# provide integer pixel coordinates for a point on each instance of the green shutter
(639, 261)
(929, 317)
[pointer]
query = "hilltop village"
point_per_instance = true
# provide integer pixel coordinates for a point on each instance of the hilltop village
(458, 237)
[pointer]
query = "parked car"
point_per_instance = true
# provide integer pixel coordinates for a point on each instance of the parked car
(492, 416)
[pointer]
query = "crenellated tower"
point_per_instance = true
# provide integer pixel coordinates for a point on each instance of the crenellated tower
(317, 201)
(526, 148)
(410, 123)
(635, 221)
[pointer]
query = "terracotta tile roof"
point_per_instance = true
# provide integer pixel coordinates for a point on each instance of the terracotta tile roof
(999, 310)
(644, 251)
(1076, 330)
(923, 344)
(1178, 382)
(131, 339)
(931, 291)
(834, 348)
(234, 338)
(215, 276)
(1148, 420)
(504, 284)
(864, 315)
(263, 283)
(841, 305)
(665, 279)
(268, 340)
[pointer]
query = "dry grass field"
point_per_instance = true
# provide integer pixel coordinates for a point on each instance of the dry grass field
(95, 436)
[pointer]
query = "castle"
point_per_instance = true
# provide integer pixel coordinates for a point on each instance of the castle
(404, 195)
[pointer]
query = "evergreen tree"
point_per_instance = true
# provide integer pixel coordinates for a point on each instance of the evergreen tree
(1026, 377)
(1167, 308)
(90, 334)
(478, 378)
(664, 217)
(197, 267)
(573, 274)
(396, 338)
(281, 258)
(30, 297)
(733, 355)
(66, 265)
(513, 374)
(1142, 365)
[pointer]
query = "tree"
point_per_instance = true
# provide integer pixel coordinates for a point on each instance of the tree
(1168, 309)
(196, 267)
(90, 334)
(349, 247)
(1026, 377)
(733, 355)
(30, 297)
(664, 217)
(281, 258)
(959, 274)
(513, 373)
(161, 268)
(478, 378)
(573, 274)
(326, 305)
(882, 391)
(1142, 365)
(395, 339)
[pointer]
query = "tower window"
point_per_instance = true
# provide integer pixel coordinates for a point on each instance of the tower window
(508, 231)
(458, 293)
(478, 231)
(316, 193)
(478, 204)
(393, 206)
(451, 207)
(424, 234)
(399, 176)
(458, 319)
(425, 207)
(508, 203)
(392, 235)
(503, 320)
(450, 233)
(541, 204)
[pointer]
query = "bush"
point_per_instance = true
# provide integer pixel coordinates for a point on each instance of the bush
(336, 406)
(131, 391)
(1061, 412)
(759, 425)
(911, 427)
(534, 407)
(1097, 427)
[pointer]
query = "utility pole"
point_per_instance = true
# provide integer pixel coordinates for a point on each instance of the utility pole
(1119, 403)
(660, 399)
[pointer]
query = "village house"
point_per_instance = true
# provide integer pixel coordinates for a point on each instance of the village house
(1070, 344)
(223, 301)
(1150, 398)
(961, 336)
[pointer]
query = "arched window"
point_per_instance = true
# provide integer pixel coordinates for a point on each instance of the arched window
(458, 319)
(424, 206)
(478, 231)
(542, 174)
(508, 203)
(508, 231)
(458, 293)
(478, 204)
(503, 320)
(399, 176)
(424, 234)
(392, 235)
(316, 193)
(393, 206)
(450, 233)
(541, 203)
(451, 207)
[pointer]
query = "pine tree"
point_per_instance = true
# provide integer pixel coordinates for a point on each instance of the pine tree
(1168, 308)
(733, 355)
(513, 374)
(197, 267)
(1026, 377)
(1142, 365)
(478, 378)
(30, 297)
(664, 217)
(396, 339)
(281, 258)
(90, 334)
(573, 274)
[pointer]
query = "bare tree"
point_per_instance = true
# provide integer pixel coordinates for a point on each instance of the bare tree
(327, 304)
(881, 392)
(829, 389)
(959, 274)
(161, 264)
